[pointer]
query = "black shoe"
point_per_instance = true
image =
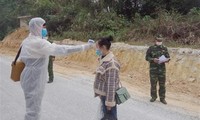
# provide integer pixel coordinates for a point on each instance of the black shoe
(163, 101)
(49, 81)
(153, 100)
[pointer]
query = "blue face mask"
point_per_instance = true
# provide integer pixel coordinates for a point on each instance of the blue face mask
(98, 52)
(44, 32)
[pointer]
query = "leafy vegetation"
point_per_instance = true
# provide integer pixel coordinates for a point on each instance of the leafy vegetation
(128, 20)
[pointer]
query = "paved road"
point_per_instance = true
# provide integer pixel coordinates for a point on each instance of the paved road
(71, 98)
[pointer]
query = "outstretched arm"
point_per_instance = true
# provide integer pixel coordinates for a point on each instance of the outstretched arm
(55, 50)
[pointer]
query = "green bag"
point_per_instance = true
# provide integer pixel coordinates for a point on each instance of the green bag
(122, 95)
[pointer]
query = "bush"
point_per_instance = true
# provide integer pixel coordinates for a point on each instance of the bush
(181, 29)
(105, 23)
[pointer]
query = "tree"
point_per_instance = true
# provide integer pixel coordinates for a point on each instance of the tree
(8, 19)
(128, 8)
(149, 7)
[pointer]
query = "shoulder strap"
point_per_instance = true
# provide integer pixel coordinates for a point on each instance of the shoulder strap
(120, 84)
(17, 56)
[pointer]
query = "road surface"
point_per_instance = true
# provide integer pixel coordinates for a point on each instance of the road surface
(71, 98)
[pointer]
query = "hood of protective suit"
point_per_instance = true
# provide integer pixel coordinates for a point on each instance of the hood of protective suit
(36, 25)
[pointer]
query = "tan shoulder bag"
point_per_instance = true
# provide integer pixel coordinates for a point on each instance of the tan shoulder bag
(17, 68)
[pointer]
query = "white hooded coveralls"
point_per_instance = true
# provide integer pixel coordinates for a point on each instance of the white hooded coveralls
(35, 54)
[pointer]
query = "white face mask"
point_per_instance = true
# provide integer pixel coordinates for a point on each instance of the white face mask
(158, 43)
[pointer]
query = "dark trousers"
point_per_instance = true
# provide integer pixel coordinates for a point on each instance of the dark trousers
(113, 111)
(158, 76)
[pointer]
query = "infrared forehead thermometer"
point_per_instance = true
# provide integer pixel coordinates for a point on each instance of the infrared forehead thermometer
(91, 41)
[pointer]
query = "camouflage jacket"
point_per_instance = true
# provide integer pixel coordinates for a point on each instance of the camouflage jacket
(156, 51)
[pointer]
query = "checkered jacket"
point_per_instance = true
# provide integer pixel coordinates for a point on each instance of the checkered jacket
(107, 79)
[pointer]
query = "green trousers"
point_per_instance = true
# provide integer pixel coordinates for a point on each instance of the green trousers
(50, 68)
(158, 76)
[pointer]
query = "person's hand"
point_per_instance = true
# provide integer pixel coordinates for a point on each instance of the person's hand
(109, 108)
(156, 60)
(91, 42)
(168, 59)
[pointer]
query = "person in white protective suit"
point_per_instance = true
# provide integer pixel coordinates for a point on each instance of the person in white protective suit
(35, 54)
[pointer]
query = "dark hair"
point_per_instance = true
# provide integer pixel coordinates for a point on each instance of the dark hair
(106, 41)
(44, 24)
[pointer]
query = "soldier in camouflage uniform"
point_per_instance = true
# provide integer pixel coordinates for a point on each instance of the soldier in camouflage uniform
(50, 69)
(157, 70)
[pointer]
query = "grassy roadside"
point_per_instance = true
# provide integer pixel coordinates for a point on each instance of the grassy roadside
(171, 44)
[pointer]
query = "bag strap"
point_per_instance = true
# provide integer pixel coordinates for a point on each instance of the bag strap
(120, 84)
(17, 56)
